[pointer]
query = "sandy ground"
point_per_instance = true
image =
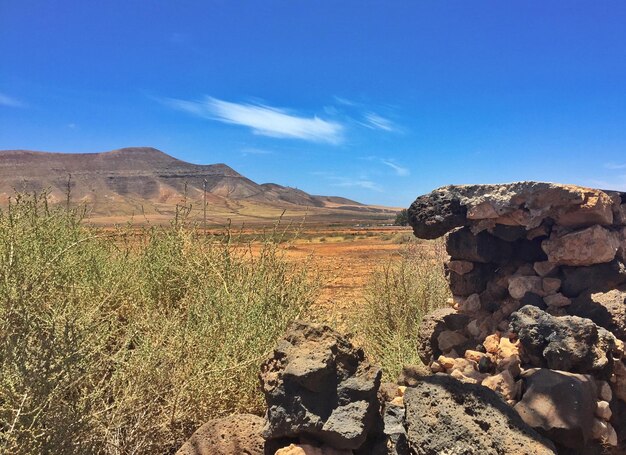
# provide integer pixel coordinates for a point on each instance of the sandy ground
(345, 265)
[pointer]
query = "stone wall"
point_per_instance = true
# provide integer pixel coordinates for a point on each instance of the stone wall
(538, 275)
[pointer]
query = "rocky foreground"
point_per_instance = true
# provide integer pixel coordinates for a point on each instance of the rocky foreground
(528, 358)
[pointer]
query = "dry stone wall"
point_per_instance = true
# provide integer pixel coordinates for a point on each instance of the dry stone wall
(538, 277)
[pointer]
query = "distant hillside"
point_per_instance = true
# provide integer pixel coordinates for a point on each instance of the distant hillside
(145, 182)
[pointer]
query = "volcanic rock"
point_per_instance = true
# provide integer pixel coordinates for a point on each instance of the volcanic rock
(560, 405)
(567, 343)
(239, 433)
(318, 385)
(432, 325)
(484, 247)
(445, 416)
(606, 309)
(594, 245)
(595, 278)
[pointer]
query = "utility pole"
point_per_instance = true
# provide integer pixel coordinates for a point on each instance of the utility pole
(69, 191)
(204, 206)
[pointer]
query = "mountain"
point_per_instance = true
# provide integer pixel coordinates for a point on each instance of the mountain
(147, 183)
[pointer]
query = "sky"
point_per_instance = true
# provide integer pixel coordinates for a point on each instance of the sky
(378, 101)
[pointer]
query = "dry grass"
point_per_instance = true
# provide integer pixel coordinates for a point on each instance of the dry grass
(399, 294)
(124, 342)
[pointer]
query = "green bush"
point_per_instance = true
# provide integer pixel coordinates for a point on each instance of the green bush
(398, 296)
(125, 341)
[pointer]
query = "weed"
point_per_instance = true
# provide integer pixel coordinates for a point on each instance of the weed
(125, 341)
(397, 298)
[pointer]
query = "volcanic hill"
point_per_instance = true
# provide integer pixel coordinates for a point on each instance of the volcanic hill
(146, 184)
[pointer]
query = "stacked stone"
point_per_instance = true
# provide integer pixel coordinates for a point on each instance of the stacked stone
(539, 289)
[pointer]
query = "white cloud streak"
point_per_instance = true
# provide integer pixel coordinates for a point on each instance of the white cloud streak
(263, 120)
(350, 182)
(255, 151)
(615, 166)
(376, 122)
(399, 170)
(6, 100)
(359, 183)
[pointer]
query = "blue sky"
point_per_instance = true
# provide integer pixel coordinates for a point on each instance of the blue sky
(379, 101)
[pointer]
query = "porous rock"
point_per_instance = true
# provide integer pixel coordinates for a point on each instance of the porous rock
(594, 245)
(595, 278)
(525, 204)
(473, 282)
(317, 384)
(560, 405)
(432, 325)
(483, 247)
(433, 215)
(239, 433)
(606, 309)
(445, 416)
(566, 343)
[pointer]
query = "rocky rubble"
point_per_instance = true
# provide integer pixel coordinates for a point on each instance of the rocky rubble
(538, 278)
(528, 358)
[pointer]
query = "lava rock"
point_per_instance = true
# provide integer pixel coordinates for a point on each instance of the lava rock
(594, 245)
(317, 384)
(434, 214)
(595, 278)
(566, 343)
(560, 405)
(606, 309)
(239, 433)
(462, 244)
(432, 325)
(508, 233)
(473, 282)
(445, 416)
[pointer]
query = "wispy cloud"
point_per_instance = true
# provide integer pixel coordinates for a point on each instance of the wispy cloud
(6, 100)
(255, 151)
(377, 122)
(263, 120)
(350, 182)
(615, 166)
(389, 162)
(345, 101)
(358, 183)
(399, 170)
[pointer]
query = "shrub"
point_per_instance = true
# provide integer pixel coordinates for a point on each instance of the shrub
(402, 218)
(398, 296)
(125, 341)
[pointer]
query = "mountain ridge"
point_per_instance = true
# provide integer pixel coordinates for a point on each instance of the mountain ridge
(145, 180)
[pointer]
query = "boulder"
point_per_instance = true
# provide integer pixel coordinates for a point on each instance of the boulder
(318, 385)
(445, 416)
(239, 433)
(434, 214)
(460, 267)
(396, 442)
(566, 343)
(594, 245)
(431, 327)
(525, 204)
(463, 245)
(520, 285)
(560, 405)
(606, 309)
(595, 278)
(473, 282)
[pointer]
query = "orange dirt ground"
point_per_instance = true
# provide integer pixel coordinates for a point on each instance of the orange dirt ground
(345, 260)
